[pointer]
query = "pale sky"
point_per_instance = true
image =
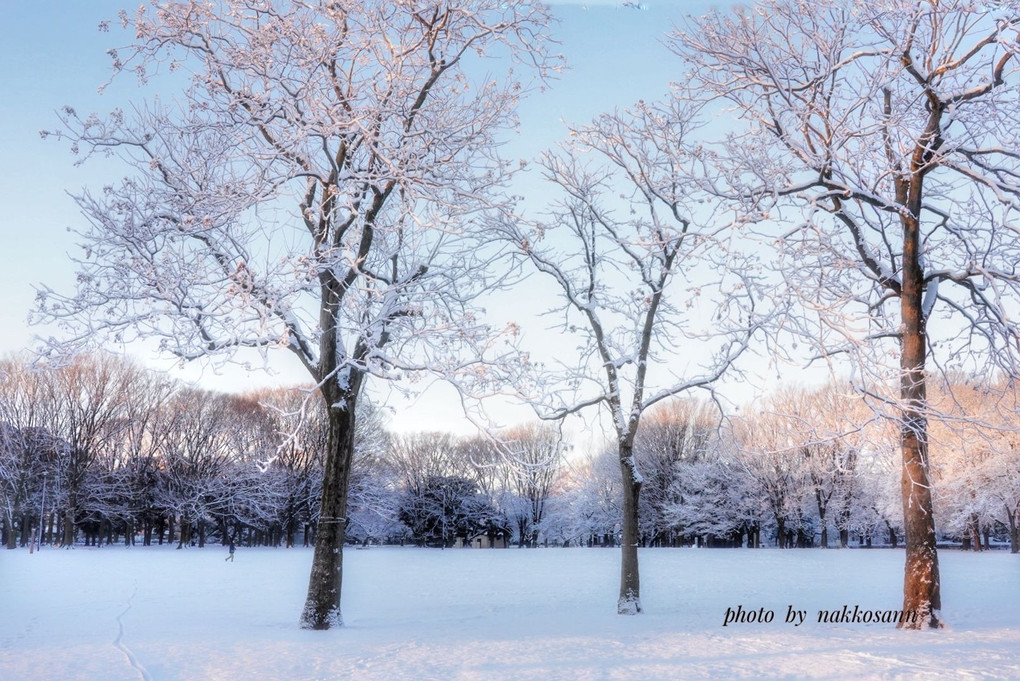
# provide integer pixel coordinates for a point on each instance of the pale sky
(52, 54)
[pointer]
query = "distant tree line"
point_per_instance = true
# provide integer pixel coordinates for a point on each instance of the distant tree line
(100, 451)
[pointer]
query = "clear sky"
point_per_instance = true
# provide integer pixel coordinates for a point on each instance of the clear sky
(52, 54)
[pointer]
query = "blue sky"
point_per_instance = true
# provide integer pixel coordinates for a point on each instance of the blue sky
(54, 55)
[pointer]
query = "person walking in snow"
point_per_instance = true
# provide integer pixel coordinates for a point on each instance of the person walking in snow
(232, 549)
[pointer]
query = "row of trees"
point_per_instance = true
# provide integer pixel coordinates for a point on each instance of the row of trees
(806, 468)
(329, 183)
(103, 448)
(162, 462)
(100, 449)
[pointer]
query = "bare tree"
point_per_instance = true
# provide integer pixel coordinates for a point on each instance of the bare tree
(299, 457)
(594, 511)
(674, 434)
(193, 459)
(974, 455)
(417, 457)
(621, 250)
(827, 428)
(715, 499)
(311, 189)
(487, 462)
(89, 398)
(132, 455)
(24, 418)
(893, 127)
(533, 455)
(772, 461)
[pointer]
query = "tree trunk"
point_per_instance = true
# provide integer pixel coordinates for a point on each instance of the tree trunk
(630, 582)
(892, 534)
(291, 526)
(822, 509)
(322, 606)
(921, 589)
(26, 529)
(185, 532)
(9, 535)
(69, 529)
(1014, 530)
(974, 528)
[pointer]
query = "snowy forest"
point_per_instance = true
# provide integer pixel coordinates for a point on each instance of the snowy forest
(828, 187)
(102, 452)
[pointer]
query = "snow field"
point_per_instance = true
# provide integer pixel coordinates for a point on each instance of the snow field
(160, 614)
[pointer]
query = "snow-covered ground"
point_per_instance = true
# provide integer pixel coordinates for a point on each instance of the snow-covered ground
(156, 613)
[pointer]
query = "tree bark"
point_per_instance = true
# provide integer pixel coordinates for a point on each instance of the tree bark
(26, 529)
(69, 528)
(921, 589)
(1014, 530)
(975, 532)
(9, 534)
(322, 606)
(291, 531)
(822, 508)
(630, 583)
(185, 532)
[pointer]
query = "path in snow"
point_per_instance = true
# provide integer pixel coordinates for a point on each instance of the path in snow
(119, 641)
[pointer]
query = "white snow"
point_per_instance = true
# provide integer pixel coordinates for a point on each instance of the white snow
(156, 613)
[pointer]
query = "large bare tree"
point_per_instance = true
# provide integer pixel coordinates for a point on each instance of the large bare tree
(311, 188)
(892, 128)
(647, 281)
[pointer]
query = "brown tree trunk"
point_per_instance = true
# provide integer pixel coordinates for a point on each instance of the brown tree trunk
(26, 529)
(322, 606)
(630, 582)
(69, 529)
(291, 527)
(975, 532)
(185, 532)
(823, 507)
(921, 589)
(1014, 530)
(9, 534)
